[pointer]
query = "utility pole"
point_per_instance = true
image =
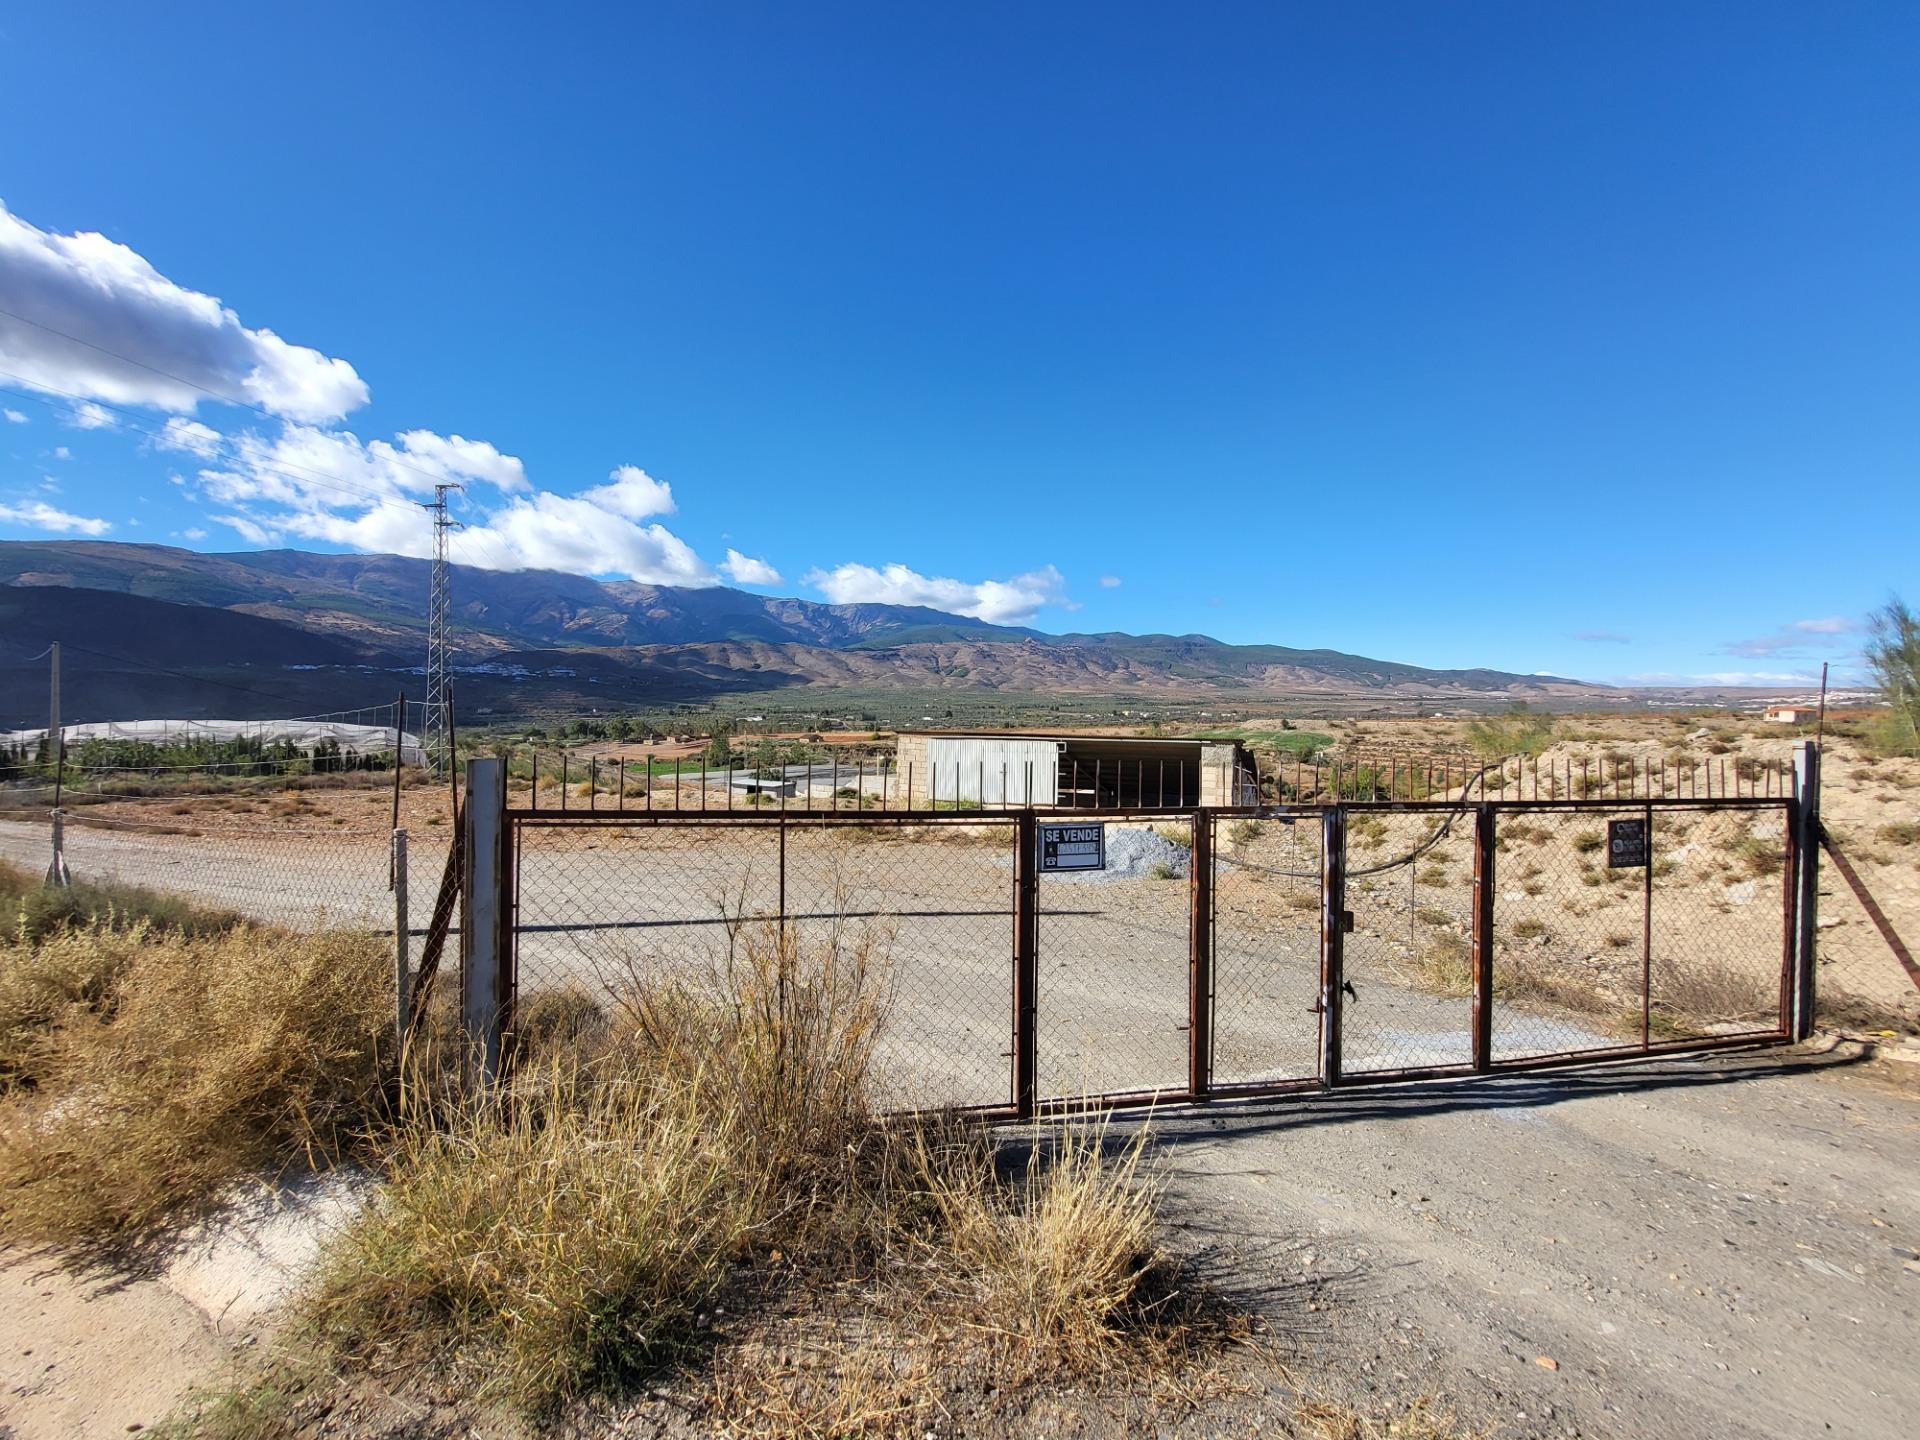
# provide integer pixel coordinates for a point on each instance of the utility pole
(436, 731)
(57, 747)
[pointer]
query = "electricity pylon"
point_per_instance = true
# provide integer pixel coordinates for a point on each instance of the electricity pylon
(436, 737)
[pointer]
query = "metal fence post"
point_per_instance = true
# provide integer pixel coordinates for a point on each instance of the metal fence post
(1333, 932)
(1483, 895)
(1200, 959)
(1026, 962)
(1806, 791)
(483, 883)
(402, 979)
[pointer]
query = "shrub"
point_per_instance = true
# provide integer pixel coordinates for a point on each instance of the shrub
(1900, 832)
(31, 910)
(184, 1063)
(1519, 732)
(1587, 841)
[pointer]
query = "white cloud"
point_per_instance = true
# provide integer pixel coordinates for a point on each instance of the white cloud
(631, 492)
(13, 417)
(114, 304)
(42, 516)
(60, 452)
(1109, 582)
(747, 570)
(572, 533)
(250, 531)
(1722, 677)
(1796, 638)
(195, 533)
(189, 436)
(1000, 602)
(455, 455)
(88, 416)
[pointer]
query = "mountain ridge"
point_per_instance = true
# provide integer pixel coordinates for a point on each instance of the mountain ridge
(362, 616)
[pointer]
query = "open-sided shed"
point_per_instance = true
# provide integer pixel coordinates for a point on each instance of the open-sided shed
(1083, 772)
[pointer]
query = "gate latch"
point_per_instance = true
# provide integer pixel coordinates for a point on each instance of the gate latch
(1346, 922)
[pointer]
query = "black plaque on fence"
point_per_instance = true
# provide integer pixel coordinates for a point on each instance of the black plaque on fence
(1072, 847)
(1626, 843)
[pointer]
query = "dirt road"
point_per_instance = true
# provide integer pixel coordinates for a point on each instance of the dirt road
(1721, 1248)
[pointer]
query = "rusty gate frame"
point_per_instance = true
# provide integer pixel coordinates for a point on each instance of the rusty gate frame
(1024, 1102)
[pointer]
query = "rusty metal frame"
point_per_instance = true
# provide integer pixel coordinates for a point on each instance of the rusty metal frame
(1024, 1103)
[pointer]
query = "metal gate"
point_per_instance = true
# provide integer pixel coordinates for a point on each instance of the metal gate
(1222, 952)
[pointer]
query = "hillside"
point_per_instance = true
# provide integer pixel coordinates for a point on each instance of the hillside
(322, 632)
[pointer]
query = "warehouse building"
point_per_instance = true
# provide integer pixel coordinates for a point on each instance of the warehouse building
(1082, 772)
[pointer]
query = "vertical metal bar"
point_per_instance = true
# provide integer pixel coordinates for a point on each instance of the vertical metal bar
(564, 768)
(1200, 959)
(1646, 942)
(1333, 919)
(402, 977)
(593, 782)
(1026, 964)
(782, 926)
(399, 748)
(1484, 853)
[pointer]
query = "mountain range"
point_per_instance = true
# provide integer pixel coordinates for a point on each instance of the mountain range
(150, 630)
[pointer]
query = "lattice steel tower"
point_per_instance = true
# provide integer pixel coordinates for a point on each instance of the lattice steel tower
(436, 735)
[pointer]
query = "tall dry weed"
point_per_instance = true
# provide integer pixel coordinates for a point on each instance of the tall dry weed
(182, 1064)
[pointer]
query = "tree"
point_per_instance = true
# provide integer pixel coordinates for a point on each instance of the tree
(720, 747)
(1893, 655)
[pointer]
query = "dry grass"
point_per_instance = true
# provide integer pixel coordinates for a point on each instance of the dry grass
(684, 1148)
(1445, 965)
(1423, 1420)
(152, 1069)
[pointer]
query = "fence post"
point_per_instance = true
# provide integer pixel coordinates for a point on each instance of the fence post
(1806, 844)
(483, 883)
(1333, 932)
(1026, 962)
(402, 979)
(1484, 850)
(1200, 959)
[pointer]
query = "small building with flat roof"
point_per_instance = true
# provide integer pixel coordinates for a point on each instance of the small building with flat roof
(1080, 772)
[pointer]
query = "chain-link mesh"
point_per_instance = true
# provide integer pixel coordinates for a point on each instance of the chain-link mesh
(1719, 922)
(922, 913)
(1266, 948)
(1410, 1001)
(1591, 956)
(931, 906)
(1860, 982)
(1568, 935)
(306, 877)
(1113, 956)
(600, 908)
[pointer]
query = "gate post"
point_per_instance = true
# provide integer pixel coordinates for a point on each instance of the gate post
(1200, 959)
(1333, 933)
(1484, 849)
(1806, 848)
(1026, 961)
(483, 915)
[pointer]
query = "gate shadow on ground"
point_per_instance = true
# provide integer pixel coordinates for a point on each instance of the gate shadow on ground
(1531, 1090)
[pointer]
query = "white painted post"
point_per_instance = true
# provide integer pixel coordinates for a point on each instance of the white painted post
(481, 1011)
(402, 971)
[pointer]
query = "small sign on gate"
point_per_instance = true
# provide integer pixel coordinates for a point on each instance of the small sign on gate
(1626, 843)
(1072, 847)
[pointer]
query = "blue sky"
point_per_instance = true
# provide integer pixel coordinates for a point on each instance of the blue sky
(1547, 337)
